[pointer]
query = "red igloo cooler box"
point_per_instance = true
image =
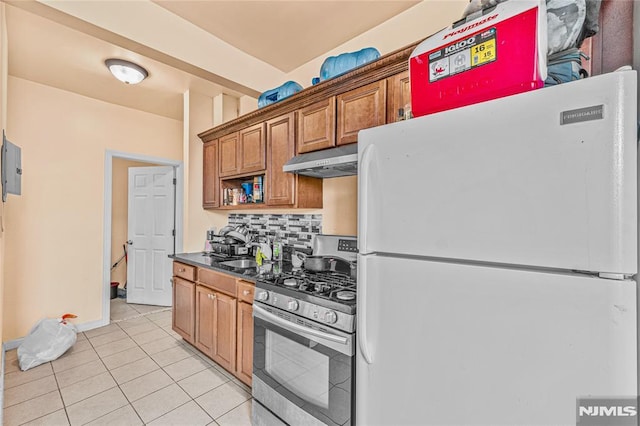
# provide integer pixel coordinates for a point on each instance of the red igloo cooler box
(499, 53)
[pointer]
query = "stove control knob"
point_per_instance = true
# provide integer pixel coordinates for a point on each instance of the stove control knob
(330, 317)
(262, 295)
(292, 305)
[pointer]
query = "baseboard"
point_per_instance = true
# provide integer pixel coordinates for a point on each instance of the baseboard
(10, 345)
(86, 326)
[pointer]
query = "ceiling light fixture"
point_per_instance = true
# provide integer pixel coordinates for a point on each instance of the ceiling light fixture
(126, 71)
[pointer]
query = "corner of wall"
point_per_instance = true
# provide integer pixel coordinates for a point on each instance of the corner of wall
(3, 125)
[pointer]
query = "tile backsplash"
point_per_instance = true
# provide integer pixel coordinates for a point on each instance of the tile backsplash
(294, 229)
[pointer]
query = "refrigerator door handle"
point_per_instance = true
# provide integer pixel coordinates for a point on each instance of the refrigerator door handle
(361, 313)
(363, 196)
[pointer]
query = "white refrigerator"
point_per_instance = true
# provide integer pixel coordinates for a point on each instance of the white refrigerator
(497, 259)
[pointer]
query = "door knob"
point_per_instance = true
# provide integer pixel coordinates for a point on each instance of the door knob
(130, 242)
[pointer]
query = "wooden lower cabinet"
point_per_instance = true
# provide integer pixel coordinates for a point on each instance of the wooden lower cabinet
(244, 356)
(214, 313)
(183, 312)
(224, 325)
(204, 338)
(216, 326)
(244, 352)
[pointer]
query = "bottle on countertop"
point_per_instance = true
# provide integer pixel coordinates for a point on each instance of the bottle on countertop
(277, 248)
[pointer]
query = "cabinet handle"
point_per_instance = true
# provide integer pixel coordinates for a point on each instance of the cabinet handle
(246, 292)
(181, 270)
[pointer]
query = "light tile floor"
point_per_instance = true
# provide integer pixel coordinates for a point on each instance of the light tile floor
(134, 371)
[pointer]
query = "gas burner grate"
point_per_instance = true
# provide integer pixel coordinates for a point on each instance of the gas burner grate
(332, 285)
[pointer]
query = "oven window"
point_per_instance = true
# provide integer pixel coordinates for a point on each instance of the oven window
(298, 368)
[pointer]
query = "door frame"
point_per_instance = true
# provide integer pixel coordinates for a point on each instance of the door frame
(106, 231)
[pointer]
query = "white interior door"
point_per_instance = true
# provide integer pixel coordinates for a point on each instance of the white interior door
(151, 224)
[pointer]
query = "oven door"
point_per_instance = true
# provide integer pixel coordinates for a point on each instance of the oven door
(303, 372)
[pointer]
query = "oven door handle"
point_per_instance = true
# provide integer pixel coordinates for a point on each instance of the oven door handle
(296, 328)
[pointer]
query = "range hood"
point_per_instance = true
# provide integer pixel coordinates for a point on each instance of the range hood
(328, 163)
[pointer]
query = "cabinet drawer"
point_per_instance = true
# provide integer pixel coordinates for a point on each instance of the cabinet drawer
(217, 281)
(184, 271)
(246, 291)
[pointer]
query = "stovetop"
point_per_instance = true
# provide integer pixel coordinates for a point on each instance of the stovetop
(329, 289)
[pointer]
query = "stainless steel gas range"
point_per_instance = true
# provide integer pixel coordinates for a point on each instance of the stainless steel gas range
(304, 342)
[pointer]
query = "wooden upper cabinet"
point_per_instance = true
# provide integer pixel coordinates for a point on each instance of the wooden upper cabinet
(316, 126)
(251, 149)
(281, 146)
(359, 109)
(324, 116)
(210, 182)
(228, 150)
(398, 95)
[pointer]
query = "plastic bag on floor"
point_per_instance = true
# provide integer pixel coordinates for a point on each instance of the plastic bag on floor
(47, 341)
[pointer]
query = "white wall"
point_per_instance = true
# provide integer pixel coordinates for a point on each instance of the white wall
(54, 230)
(198, 220)
(414, 24)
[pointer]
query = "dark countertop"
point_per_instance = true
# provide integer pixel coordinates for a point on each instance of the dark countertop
(201, 260)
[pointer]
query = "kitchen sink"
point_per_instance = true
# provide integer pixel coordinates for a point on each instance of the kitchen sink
(240, 263)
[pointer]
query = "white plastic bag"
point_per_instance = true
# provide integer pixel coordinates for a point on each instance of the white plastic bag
(46, 341)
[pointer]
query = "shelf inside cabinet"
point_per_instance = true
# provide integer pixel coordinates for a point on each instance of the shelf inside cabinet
(242, 192)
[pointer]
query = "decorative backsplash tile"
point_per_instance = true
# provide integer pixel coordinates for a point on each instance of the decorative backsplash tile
(294, 229)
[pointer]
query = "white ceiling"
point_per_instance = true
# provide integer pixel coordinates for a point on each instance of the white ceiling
(66, 48)
(286, 34)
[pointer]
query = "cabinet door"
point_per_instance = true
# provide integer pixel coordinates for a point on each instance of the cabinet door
(205, 304)
(251, 149)
(183, 312)
(210, 180)
(398, 95)
(317, 126)
(228, 149)
(359, 109)
(281, 147)
(224, 330)
(244, 362)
